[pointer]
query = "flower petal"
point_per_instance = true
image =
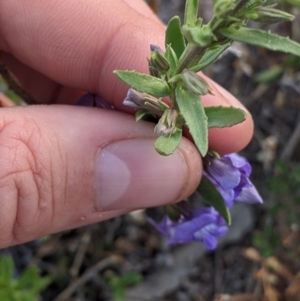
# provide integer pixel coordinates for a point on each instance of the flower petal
(249, 195)
(224, 173)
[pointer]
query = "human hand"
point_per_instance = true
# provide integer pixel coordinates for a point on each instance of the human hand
(63, 166)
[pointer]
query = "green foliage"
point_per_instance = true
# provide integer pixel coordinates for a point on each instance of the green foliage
(284, 190)
(171, 56)
(194, 115)
(118, 284)
(25, 288)
(166, 145)
(269, 75)
(212, 196)
(191, 12)
(144, 83)
(174, 37)
(190, 48)
(221, 117)
(210, 55)
(267, 242)
(262, 38)
(294, 2)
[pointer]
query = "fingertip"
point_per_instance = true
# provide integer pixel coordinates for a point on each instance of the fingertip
(233, 139)
(230, 139)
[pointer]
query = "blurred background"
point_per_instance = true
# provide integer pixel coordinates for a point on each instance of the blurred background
(125, 259)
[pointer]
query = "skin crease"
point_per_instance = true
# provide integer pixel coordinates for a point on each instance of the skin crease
(57, 50)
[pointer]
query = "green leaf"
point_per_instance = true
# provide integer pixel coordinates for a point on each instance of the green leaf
(29, 277)
(174, 36)
(200, 36)
(263, 39)
(191, 12)
(247, 8)
(210, 56)
(131, 278)
(6, 269)
(166, 145)
(270, 15)
(220, 117)
(144, 82)
(294, 2)
(170, 55)
(140, 115)
(193, 113)
(269, 75)
(213, 197)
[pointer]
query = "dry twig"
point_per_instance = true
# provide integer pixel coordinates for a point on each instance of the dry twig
(86, 276)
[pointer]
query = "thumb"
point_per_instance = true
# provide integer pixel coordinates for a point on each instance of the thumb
(63, 167)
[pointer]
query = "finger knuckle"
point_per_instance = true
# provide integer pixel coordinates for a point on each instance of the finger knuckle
(25, 180)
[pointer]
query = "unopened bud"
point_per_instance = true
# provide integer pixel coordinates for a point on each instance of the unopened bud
(167, 123)
(153, 72)
(195, 83)
(157, 60)
(144, 101)
(270, 15)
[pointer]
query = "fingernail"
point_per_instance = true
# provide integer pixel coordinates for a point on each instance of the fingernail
(131, 174)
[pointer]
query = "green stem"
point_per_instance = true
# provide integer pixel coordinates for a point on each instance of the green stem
(193, 53)
(190, 57)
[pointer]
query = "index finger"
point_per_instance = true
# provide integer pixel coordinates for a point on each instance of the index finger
(80, 43)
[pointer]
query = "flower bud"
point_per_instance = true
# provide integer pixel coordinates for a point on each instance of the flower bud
(157, 60)
(154, 72)
(144, 101)
(167, 123)
(195, 83)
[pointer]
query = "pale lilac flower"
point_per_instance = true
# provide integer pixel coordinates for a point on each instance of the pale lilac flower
(230, 174)
(144, 101)
(202, 225)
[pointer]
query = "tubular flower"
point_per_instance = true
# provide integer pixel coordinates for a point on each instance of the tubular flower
(230, 174)
(202, 225)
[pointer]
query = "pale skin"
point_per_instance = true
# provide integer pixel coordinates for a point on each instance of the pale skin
(53, 158)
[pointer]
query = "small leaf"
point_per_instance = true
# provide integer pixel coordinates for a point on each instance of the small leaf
(174, 36)
(220, 117)
(166, 145)
(144, 82)
(269, 75)
(6, 269)
(170, 55)
(270, 15)
(248, 8)
(200, 36)
(141, 115)
(263, 39)
(212, 197)
(192, 111)
(294, 2)
(191, 12)
(210, 56)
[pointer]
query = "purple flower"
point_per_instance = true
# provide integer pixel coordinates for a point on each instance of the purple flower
(230, 174)
(93, 100)
(202, 225)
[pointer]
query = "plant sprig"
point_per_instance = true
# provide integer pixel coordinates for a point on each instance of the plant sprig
(189, 49)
